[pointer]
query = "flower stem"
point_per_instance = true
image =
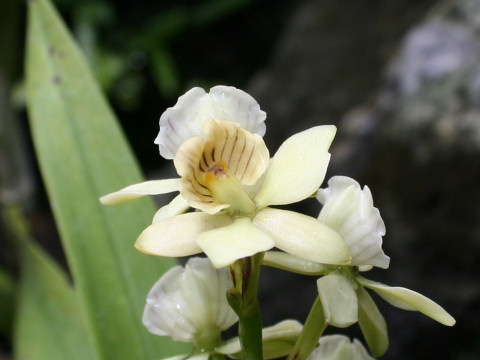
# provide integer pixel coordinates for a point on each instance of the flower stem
(312, 330)
(242, 298)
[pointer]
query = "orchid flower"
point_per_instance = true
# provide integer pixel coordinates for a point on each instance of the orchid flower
(226, 174)
(349, 211)
(189, 304)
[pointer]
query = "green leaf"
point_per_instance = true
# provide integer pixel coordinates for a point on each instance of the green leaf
(49, 324)
(83, 155)
(372, 323)
(48, 321)
(7, 301)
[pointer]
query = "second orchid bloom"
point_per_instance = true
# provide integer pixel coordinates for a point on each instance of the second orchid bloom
(226, 174)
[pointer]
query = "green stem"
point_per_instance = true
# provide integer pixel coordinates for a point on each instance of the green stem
(312, 330)
(242, 297)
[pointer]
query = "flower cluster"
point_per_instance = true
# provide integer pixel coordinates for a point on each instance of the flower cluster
(226, 173)
(227, 186)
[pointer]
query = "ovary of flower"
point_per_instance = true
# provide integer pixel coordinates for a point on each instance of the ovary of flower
(229, 176)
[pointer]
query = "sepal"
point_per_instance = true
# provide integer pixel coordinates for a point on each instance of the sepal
(278, 340)
(339, 300)
(409, 300)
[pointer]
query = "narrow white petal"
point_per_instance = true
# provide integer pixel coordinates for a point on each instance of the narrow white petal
(186, 119)
(339, 300)
(229, 243)
(298, 168)
(177, 206)
(176, 236)
(303, 236)
(409, 300)
(349, 210)
(152, 187)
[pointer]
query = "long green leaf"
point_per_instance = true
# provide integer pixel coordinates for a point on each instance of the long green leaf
(48, 322)
(83, 155)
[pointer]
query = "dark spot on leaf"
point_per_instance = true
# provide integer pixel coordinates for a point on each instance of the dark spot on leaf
(56, 79)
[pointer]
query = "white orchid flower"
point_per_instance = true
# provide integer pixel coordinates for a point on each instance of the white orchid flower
(189, 304)
(339, 347)
(350, 212)
(226, 173)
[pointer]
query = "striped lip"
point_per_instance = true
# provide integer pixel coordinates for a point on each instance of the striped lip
(229, 153)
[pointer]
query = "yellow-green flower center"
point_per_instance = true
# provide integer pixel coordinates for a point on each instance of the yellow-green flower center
(215, 170)
(227, 189)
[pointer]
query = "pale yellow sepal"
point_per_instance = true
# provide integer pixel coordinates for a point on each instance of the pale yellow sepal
(303, 236)
(339, 347)
(176, 236)
(372, 323)
(152, 187)
(200, 356)
(339, 300)
(286, 261)
(278, 341)
(298, 168)
(175, 207)
(227, 244)
(409, 300)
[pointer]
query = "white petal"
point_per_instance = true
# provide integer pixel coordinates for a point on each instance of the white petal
(176, 236)
(177, 206)
(205, 293)
(236, 105)
(227, 244)
(185, 120)
(185, 302)
(153, 187)
(298, 168)
(339, 347)
(339, 300)
(409, 300)
(165, 304)
(303, 236)
(349, 210)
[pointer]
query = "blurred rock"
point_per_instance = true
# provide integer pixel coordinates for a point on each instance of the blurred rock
(415, 142)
